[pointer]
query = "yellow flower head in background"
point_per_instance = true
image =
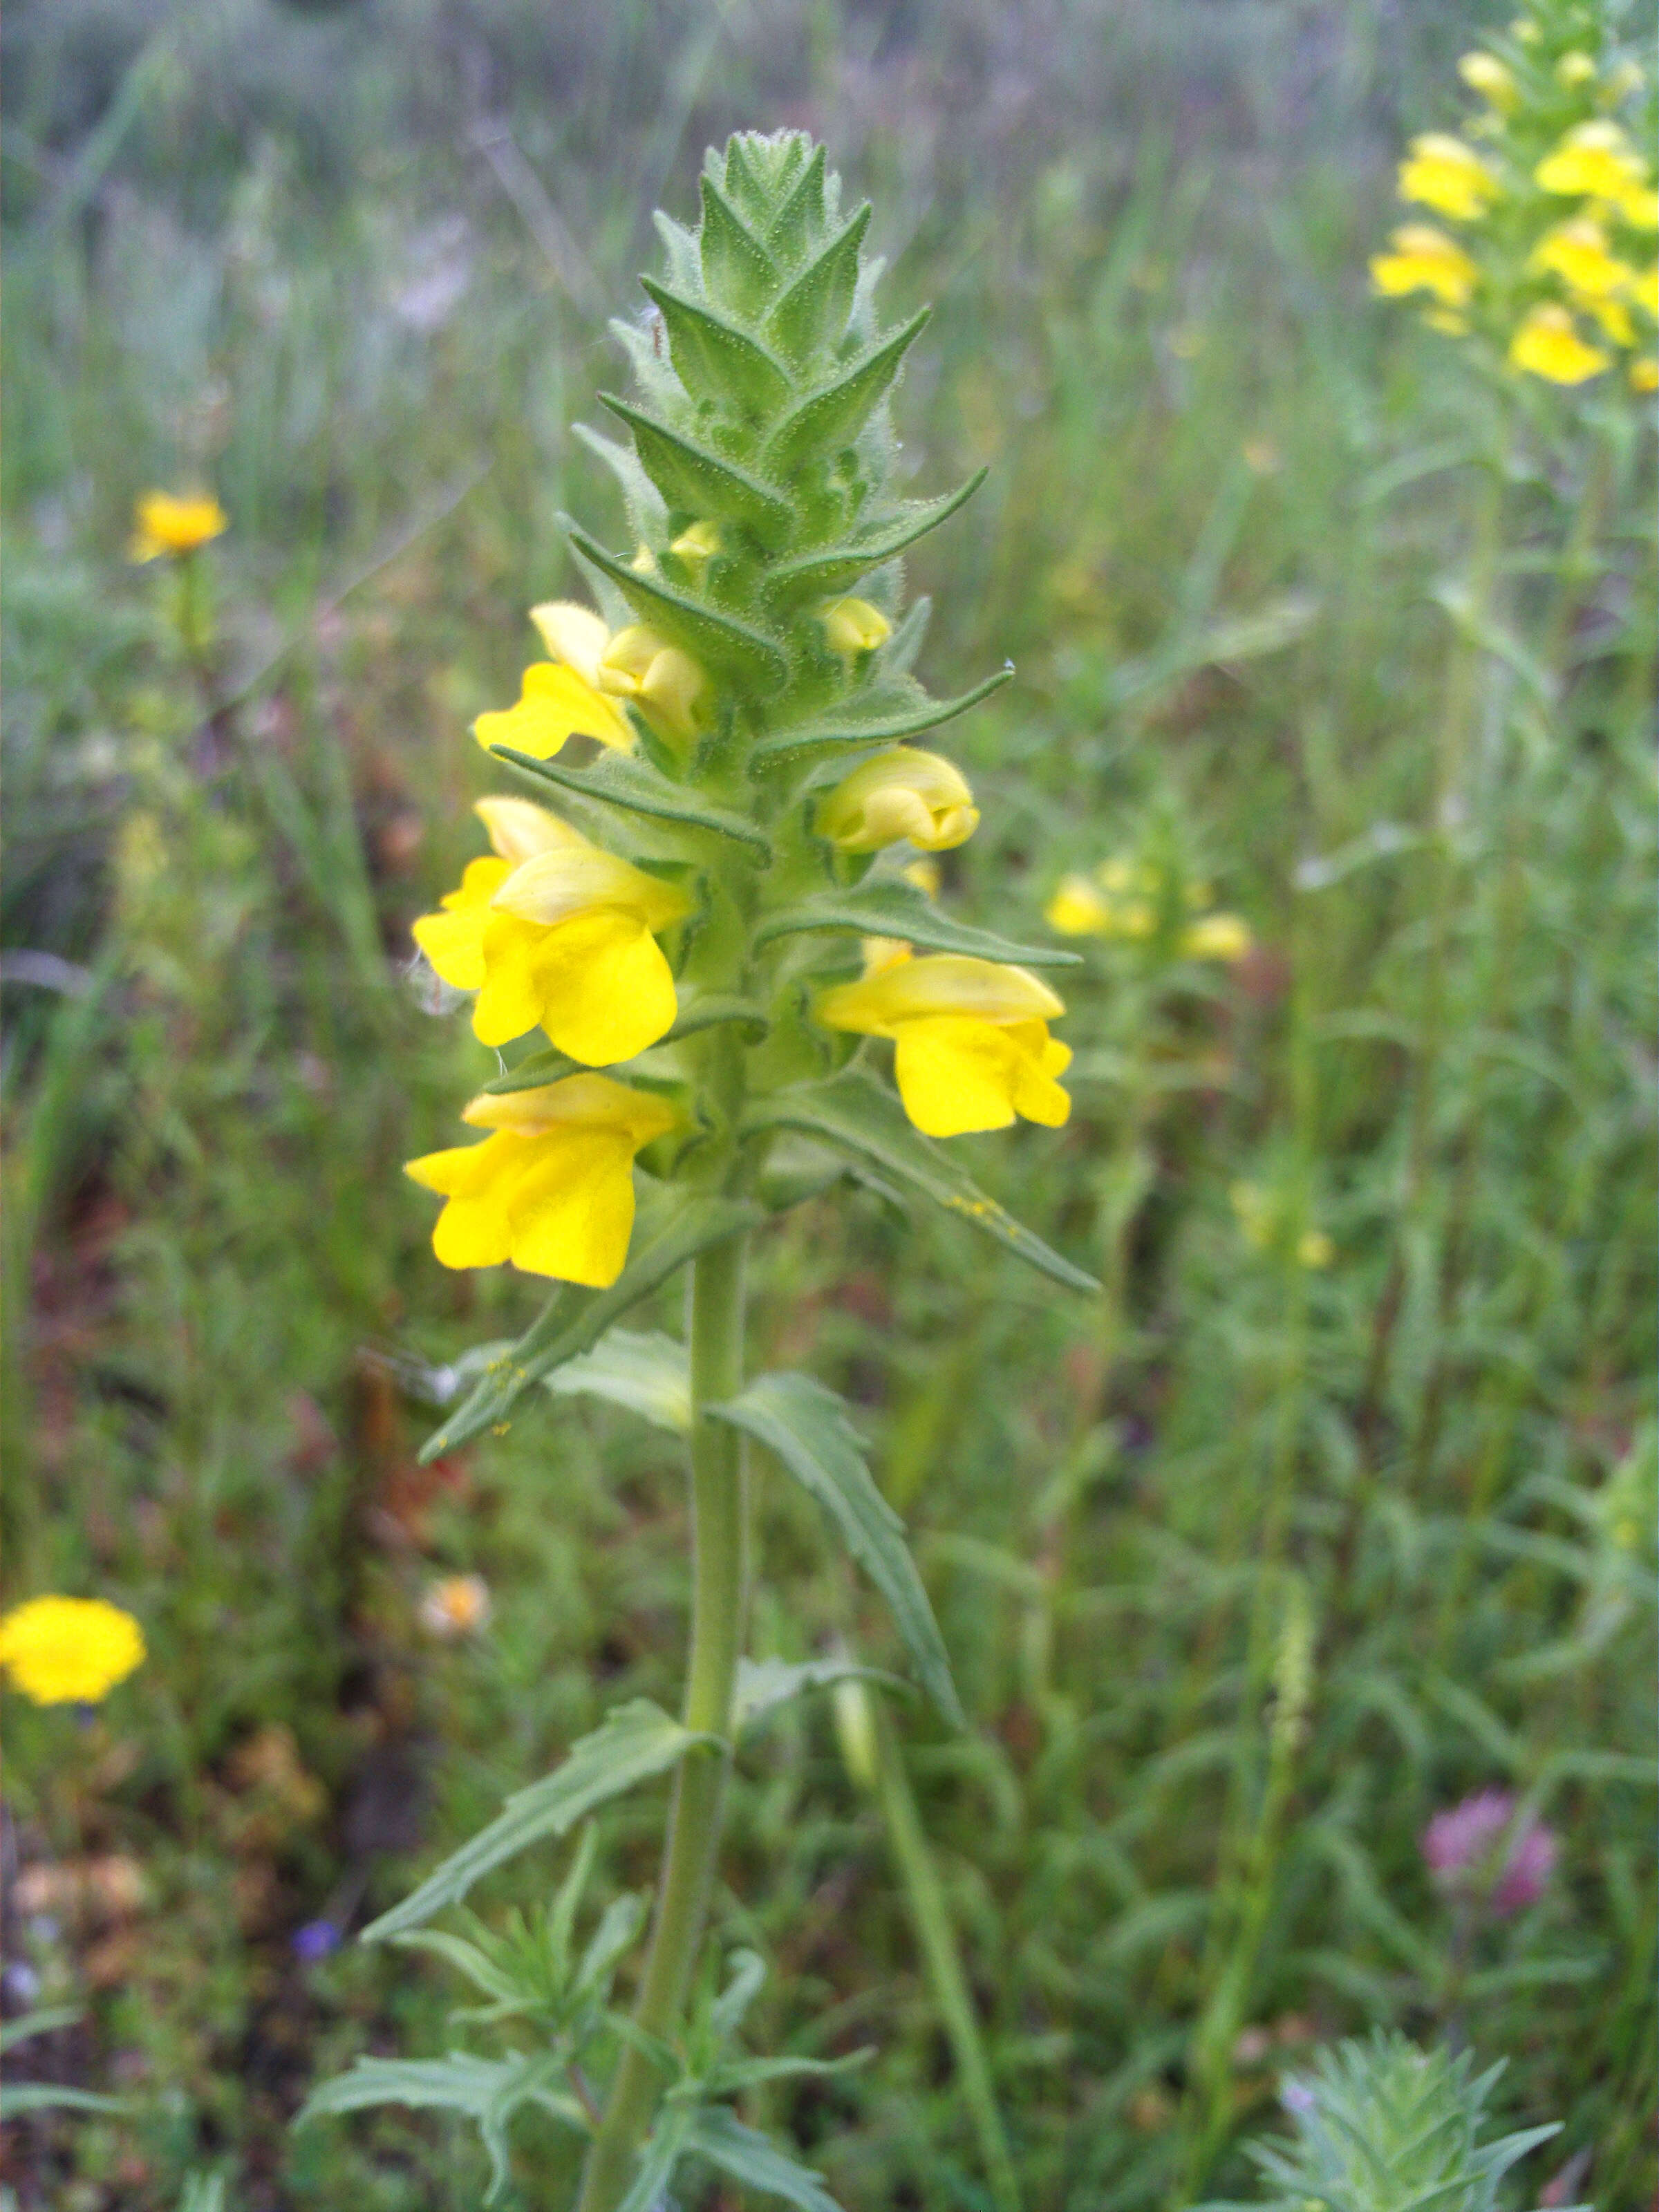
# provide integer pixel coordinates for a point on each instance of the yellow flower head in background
(1443, 172)
(1548, 344)
(972, 1048)
(853, 626)
(551, 1187)
(1217, 936)
(165, 524)
(1121, 900)
(905, 794)
(1595, 161)
(1492, 79)
(1424, 259)
(556, 931)
(456, 1605)
(69, 1650)
(1577, 251)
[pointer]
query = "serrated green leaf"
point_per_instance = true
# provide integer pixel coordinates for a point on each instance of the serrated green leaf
(713, 356)
(875, 719)
(620, 780)
(649, 1375)
(696, 481)
(858, 1116)
(805, 1427)
(833, 567)
(736, 266)
(899, 910)
(838, 410)
(716, 640)
(813, 311)
(486, 2091)
(765, 1684)
(632, 1744)
(577, 1319)
(746, 2157)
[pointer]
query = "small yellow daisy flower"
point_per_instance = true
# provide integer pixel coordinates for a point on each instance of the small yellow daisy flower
(167, 525)
(68, 1650)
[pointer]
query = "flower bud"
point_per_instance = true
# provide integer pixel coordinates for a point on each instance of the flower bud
(854, 626)
(1491, 78)
(666, 682)
(698, 545)
(901, 794)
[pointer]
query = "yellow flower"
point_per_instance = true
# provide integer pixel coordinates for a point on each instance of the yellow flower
(1578, 254)
(971, 1039)
(1613, 316)
(1424, 259)
(555, 701)
(164, 524)
(902, 793)
(1575, 69)
(1079, 908)
(1314, 1248)
(1548, 344)
(1442, 172)
(1644, 290)
(1640, 207)
(551, 1188)
(69, 1650)
(557, 932)
(1491, 78)
(854, 626)
(1644, 374)
(1594, 159)
(663, 683)
(698, 545)
(1217, 936)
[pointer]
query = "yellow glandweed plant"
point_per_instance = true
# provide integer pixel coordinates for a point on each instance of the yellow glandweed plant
(711, 917)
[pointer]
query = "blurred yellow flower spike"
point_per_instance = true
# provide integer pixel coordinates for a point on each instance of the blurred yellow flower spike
(1492, 79)
(905, 794)
(1079, 908)
(1424, 259)
(972, 1049)
(68, 1650)
(563, 937)
(1217, 936)
(167, 525)
(1443, 172)
(551, 1187)
(853, 626)
(1548, 344)
(1595, 161)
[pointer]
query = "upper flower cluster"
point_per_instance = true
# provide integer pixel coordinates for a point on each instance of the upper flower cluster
(1552, 201)
(750, 805)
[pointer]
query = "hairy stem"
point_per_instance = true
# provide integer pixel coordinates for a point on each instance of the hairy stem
(720, 1591)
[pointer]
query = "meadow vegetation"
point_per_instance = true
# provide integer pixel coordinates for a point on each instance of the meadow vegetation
(1331, 1512)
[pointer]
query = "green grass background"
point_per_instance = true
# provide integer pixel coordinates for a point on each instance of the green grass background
(351, 265)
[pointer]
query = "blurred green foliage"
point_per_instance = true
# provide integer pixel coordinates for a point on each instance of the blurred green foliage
(1246, 1570)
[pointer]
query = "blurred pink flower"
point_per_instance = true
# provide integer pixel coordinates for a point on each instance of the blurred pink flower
(1461, 1845)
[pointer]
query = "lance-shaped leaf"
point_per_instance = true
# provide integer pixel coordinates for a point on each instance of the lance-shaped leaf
(813, 311)
(577, 1319)
(713, 355)
(859, 1117)
(749, 2159)
(660, 2153)
(736, 266)
(487, 2091)
(648, 513)
(899, 910)
(623, 781)
(650, 1375)
(837, 411)
(836, 566)
(633, 1743)
(883, 718)
(806, 1428)
(692, 478)
(716, 640)
(765, 1684)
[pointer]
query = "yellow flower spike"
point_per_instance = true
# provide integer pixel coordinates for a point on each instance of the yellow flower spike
(165, 524)
(698, 545)
(1425, 259)
(1492, 79)
(68, 1650)
(854, 626)
(551, 1187)
(1548, 345)
(904, 794)
(1595, 159)
(665, 683)
(1578, 254)
(972, 1049)
(1217, 936)
(1443, 172)
(557, 933)
(1078, 909)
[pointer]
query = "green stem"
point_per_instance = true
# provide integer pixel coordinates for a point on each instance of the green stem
(931, 1916)
(720, 1592)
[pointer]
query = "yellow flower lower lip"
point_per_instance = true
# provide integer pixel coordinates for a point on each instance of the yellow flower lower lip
(1548, 345)
(554, 704)
(551, 1187)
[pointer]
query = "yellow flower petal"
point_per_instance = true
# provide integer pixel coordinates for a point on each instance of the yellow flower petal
(1078, 909)
(519, 829)
(1548, 345)
(554, 704)
(1577, 252)
(166, 524)
(904, 794)
(552, 885)
(957, 1075)
(1594, 159)
(573, 634)
(942, 983)
(853, 626)
(602, 989)
(1443, 172)
(68, 1650)
(453, 940)
(571, 1214)
(1425, 259)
